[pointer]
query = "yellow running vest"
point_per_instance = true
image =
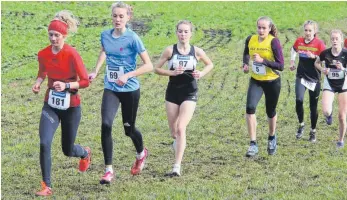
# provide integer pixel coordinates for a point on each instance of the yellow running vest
(260, 71)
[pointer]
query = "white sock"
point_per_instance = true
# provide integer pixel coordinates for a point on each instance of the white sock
(109, 169)
(176, 168)
(313, 130)
(140, 155)
(302, 124)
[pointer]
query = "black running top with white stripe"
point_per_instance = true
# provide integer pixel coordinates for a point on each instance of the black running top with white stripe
(189, 63)
(335, 77)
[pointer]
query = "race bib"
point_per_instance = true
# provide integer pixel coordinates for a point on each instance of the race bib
(308, 84)
(113, 73)
(184, 61)
(259, 68)
(336, 74)
(59, 100)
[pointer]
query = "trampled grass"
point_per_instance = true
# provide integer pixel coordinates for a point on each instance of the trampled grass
(214, 165)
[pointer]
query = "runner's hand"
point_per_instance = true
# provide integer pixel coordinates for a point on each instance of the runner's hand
(245, 69)
(36, 88)
(122, 80)
(292, 68)
(179, 70)
(339, 65)
(310, 55)
(326, 71)
(59, 86)
(257, 58)
(92, 76)
(196, 74)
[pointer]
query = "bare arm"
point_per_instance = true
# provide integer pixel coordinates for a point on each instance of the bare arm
(99, 62)
(318, 65)
(292, 59)
(41, 75)
(165, 56)
(145, 68)
(36, 87)
(201, 55)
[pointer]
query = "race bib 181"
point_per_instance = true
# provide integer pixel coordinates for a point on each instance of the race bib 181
(59, 100)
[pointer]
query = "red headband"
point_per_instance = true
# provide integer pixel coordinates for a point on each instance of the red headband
(57, 25)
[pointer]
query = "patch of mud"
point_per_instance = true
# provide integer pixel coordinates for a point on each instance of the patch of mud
(215, 38)
(22, 14)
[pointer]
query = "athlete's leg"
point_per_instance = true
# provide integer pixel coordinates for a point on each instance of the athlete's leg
(314, 97)
(49, 123)
(342, 99)
(172, 111)
(327, 102)
(186, 112)
(253, 96)
(272, 92)
(109, 107)
(70, 120)
(130, 103)
(299, 99)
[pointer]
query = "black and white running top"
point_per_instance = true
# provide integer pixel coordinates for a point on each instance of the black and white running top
(189, 63)
(335, 78)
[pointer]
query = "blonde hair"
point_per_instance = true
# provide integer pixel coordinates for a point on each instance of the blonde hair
(67, 17)
(273, 29)
(314, 24)
(119, 4)
(187, 22)
(337, 31)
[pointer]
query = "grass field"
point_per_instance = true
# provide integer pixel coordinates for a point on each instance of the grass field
(214, 166)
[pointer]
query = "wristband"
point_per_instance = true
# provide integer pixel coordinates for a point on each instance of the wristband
(67, 86)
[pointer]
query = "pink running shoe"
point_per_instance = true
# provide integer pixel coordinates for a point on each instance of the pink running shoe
(139, 164)
(107, 178)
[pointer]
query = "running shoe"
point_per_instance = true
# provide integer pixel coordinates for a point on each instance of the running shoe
(272, 146)
(107, 178)
(340, 144)
(300, 131)
(252, 150)
(312, 136)
(85, 162)
(139, 164)
(176, 171)
(46, 191)
(329, 119)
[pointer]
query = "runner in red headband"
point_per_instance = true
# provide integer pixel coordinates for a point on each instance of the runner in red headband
(59, 26)
(66, 73)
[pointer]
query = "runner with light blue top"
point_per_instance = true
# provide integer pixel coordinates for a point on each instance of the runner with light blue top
(121, 55)
(119, 47)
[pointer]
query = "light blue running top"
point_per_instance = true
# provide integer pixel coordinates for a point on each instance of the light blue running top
(121, 55)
